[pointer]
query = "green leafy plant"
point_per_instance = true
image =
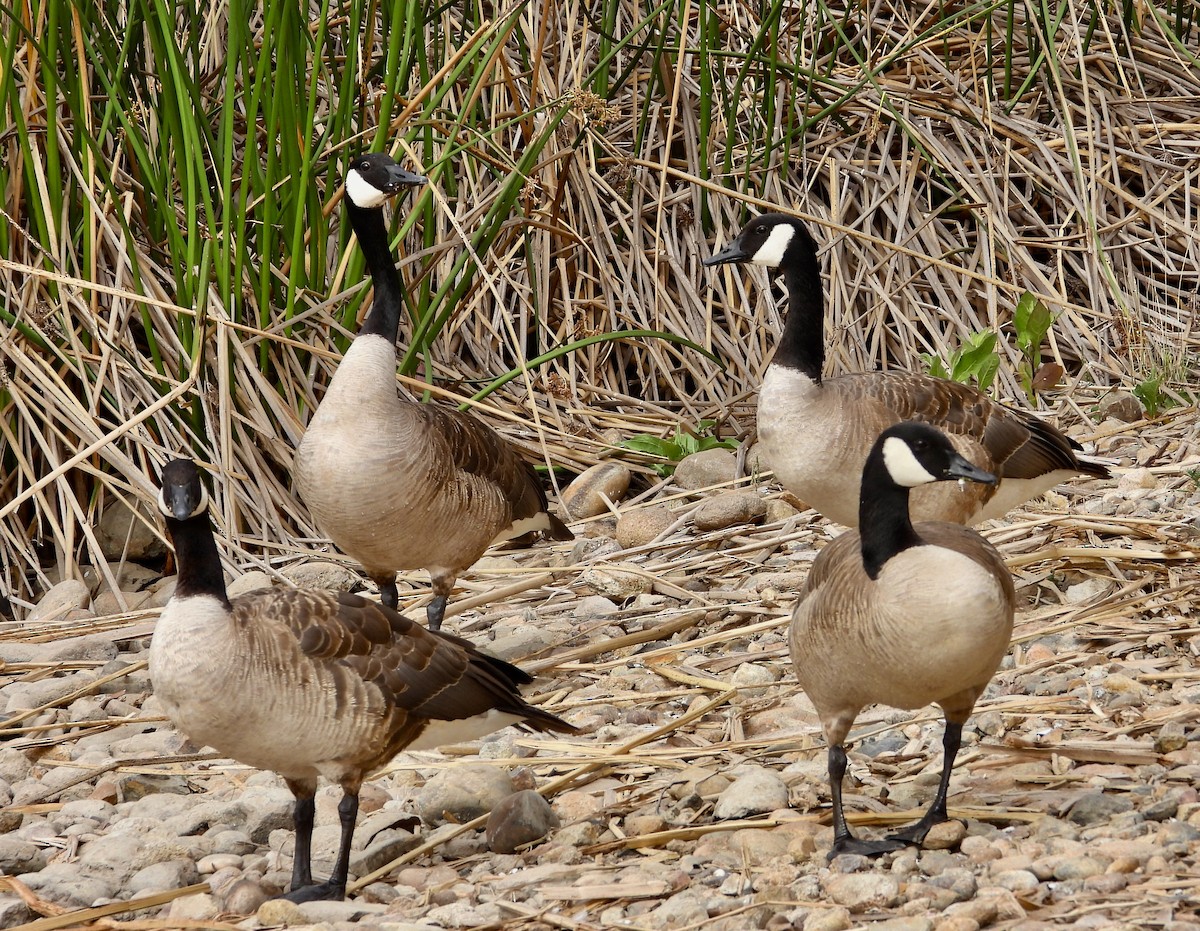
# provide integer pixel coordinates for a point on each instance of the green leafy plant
(1150, 393)
(975, 360)
(678, 447)
(1194, 475)
(1032, 321)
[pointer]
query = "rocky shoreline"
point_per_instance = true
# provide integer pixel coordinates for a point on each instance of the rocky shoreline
(694, 797)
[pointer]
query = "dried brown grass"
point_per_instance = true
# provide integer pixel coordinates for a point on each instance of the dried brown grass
(939, 206)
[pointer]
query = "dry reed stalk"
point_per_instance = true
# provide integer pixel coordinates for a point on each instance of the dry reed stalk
(939, 204)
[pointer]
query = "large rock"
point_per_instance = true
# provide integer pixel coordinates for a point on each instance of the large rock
(522, 818)
(463, 793)
(734, 507)
(618, 581)
(90, 648)
(14, 912)
(642, 525)
(107, 603)
(68, 595)
(705, 468)
(382, 849)
(123, 533)
(159, 877)
(268, 808)
(585, 497)
(520, 642)
(67, 884)
(862, 892)
(20, 856)
(754, 790)
(1096, 807)
(198, 907)
(251, 581)
(1120, 405)
(21, 696)
(323, 574)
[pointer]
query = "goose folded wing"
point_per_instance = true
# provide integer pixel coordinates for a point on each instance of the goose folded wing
(431, 675)
(955, 408)
(1048, 450)
(479, 451)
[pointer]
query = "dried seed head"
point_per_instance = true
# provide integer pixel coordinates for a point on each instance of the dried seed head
(557, 386)
(593, 109)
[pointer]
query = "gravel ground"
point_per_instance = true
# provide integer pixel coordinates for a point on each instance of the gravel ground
(697, 796)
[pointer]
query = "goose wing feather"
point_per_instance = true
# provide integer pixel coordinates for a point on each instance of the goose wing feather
(429, 675)
(1047, 450)
(1020, 445)
(480, 454)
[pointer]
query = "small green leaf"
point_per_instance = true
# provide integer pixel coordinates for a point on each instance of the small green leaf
(1149, 392)
(1032, 320)
(934, 365)
(986, 373)
(686, 443)
(653, 445)
(974, 355)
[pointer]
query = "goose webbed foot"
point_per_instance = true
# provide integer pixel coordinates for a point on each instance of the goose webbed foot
(318, 892)
(915, 833)
(865, 848)
(843, 840)
(334, 888)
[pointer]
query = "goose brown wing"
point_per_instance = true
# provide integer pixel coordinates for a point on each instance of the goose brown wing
(480, 452)
(1019, 444)
(1045, 451)
(950, 406)
(427, 674)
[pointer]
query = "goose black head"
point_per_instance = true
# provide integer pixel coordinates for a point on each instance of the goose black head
(916, 454)
(374, 177)
(183, 495)
(771, 240)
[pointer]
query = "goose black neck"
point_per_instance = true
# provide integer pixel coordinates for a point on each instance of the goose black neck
(884, 525)
(384, 318)
(198, 561)
(802, 344)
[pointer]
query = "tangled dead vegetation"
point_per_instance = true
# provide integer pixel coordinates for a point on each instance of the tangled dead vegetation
(972, 161)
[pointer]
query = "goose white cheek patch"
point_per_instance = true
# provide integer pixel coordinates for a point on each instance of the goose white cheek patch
(198, 509)
(362, 192)
(903, 466)
(770, 253)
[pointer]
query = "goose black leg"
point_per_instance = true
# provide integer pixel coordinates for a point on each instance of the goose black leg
(335, 886)
(303, 812)
(843, 840)
(443, 585)
(435, 612)
(389, 595)
(915, 833)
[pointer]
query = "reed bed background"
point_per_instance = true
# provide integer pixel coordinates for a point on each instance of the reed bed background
(175, 276)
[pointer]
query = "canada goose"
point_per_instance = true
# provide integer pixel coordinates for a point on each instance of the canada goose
(394, 483)
(816, 431)
(901, 615)
(312, 683)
